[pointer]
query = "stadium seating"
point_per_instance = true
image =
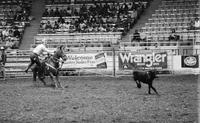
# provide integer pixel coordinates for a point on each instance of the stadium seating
(93, 30)
(14, 18)
(171, 15)
(77, 41)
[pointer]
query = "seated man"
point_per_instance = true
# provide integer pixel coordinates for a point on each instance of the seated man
(16, 33)
(173, 36)
(136, 36)
(197, 23)
(194, 24)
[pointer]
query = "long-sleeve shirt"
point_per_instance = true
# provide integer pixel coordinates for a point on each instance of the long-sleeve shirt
(40, 49)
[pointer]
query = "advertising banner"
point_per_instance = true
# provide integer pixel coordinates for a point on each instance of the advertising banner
(128, 60)
(88, 60)
(190, 61)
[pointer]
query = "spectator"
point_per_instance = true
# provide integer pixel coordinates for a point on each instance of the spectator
(69, 12)
(10, 33)
(61, 20)
(16, 33)
(3, 23)
(5, 33)
(46, 13)
(51, 13)
(136, 36)
(197, 23)
(48, 27)
(57, 12)
(76, 12)
(173, 36)
(82, 26)
(56, 25)
(3, 59)
(9, 43)
(102, 28)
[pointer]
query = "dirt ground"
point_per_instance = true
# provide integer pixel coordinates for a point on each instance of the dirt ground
(100, 100)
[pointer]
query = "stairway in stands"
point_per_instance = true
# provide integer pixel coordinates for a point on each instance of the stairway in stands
(143, 19)
(38, 7)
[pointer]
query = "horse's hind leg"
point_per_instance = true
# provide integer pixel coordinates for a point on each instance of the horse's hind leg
(42, 80)
(54, 84)
(35, 78)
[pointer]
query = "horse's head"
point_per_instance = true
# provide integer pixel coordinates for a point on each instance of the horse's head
(64, 57)
(60, 53)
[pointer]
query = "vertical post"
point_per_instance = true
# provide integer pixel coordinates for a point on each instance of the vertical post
(114, 70)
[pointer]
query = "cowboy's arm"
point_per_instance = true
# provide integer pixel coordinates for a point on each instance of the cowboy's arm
(46, 50)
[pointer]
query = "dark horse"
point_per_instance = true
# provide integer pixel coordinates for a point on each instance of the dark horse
(50, 67)
(146, 77)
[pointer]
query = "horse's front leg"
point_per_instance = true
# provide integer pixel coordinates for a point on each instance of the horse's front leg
(54, 84)
(58, 82)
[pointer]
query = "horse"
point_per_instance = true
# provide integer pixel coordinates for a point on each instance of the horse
(50, 67)
(146, 77)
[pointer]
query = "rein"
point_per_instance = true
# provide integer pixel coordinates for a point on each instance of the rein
(54, 60)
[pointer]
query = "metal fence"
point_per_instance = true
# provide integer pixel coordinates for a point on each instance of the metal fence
(18, 60)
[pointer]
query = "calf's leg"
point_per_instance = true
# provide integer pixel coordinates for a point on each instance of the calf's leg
(151, 86)
(154, 90)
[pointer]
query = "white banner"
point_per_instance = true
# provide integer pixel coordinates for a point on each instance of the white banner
(89, 60)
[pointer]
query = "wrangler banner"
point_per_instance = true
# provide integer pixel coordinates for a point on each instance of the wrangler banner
(128, 60)
(190, 61)
(89, 60)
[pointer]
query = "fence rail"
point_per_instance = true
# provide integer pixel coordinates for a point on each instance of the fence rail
(18, 60)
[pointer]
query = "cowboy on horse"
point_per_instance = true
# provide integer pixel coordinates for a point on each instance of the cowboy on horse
(50, 66)
(38, 51)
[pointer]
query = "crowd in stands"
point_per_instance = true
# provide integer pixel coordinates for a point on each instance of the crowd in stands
(15, 15)
(97, 17)
(195, 24)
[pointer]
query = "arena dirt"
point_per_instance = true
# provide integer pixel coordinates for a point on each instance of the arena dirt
(100, 100)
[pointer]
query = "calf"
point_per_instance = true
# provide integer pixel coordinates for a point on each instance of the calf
(146, 77)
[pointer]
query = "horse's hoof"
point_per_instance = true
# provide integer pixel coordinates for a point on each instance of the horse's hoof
(139, 85)
(52, 85)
